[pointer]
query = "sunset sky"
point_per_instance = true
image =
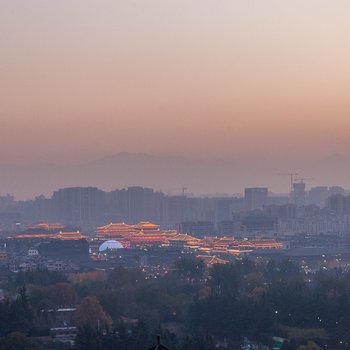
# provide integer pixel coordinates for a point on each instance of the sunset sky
(83, 79)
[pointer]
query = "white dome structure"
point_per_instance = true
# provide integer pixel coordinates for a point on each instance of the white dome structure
(111, 244)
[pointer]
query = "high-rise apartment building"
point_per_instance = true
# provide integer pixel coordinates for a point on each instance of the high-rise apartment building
(318, 195)
(255, 197)
(81, 206)
(298, 194)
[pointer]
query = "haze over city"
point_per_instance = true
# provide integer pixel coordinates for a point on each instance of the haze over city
(245, 82)
(174, 175)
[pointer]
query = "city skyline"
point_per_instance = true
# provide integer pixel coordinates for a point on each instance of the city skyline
(174, 168)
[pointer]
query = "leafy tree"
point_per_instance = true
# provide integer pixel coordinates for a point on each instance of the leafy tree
(61, 294)
(140, 335)
(16, 315)
(190, 267)
(17, 341)
(224, 279)
(41, 277)
(123, 277)
(198, 343)
(88, 338)
(91, 314)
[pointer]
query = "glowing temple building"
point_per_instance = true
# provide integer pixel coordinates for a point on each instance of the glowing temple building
(143, 233)
(45, 226)
(35, 233)
(45, 230)
(148, 227)
(148, 234)
(40, 230)
(116, 230)
(123, 230)
(69, 236)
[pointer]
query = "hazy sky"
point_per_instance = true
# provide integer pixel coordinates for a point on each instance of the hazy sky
(82, 78)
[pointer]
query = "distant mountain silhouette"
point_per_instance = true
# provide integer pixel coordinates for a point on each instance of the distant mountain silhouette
(170, 173)
(158, 172)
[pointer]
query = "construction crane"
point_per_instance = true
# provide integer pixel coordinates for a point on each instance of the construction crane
(301, 180)
(291, 176)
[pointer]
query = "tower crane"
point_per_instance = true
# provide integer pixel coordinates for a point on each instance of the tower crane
(291, 176)
(302, 180)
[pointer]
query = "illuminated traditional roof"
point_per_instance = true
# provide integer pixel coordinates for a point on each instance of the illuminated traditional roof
(146, 226)
(122, 230)
(45, 226)
(147, 233)
(71, 235)
(142, 237)
(267, 244)
(115, 229)
(187, 239)
(40, 230)
(35, 233)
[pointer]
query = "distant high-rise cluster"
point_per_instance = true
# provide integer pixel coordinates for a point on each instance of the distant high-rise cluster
(255, 198)
(85, 208)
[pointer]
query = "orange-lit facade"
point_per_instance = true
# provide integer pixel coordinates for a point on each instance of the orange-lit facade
(45, 226)
(44, 230)
(37, 234)
(144, 233)
(147, 234)
(69, 236)
(115, 231)
(40, 230)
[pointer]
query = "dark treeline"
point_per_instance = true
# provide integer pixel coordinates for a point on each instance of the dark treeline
(192, 307)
